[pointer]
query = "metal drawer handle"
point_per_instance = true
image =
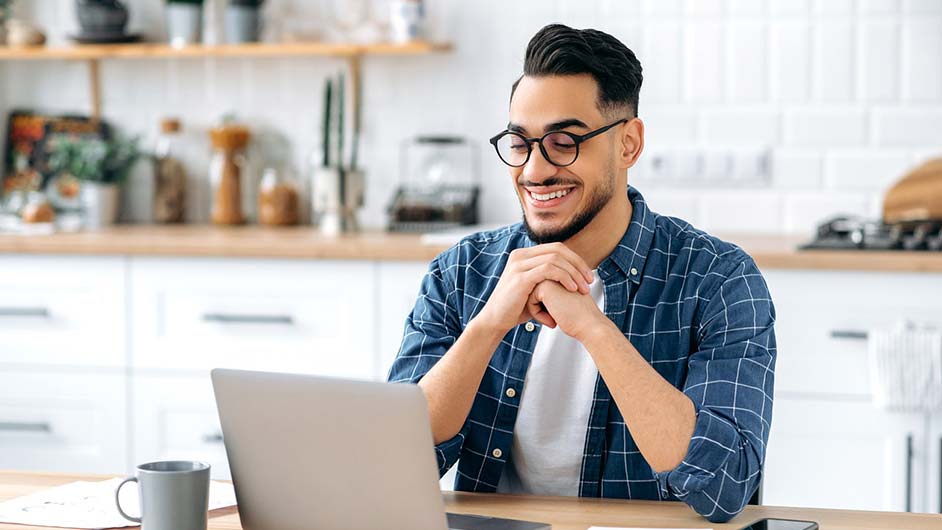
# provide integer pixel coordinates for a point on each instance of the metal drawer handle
(848, 334)
(13, 426)
(909, 473)
(31, 312)
(222, 318)
(214, 438)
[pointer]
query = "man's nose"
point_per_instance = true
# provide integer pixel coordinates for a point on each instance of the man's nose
(538, 168)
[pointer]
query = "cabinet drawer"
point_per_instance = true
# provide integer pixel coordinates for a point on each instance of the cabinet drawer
(62, 311)
(63, 422)
(175, 418)
(307, 317)
(812, 305)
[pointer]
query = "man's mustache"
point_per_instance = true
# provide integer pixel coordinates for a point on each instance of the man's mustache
(553, 181)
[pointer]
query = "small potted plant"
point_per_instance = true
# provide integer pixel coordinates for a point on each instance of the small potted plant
(184, 22)
(5, 6)
(243, 20)
(100, 166)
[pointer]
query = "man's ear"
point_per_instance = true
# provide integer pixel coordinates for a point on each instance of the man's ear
(632, 143)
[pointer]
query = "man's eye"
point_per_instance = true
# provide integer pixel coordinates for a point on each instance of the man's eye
(559, 142)
(563, 144)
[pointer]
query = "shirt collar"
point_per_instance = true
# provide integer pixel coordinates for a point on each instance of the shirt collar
(632, 251)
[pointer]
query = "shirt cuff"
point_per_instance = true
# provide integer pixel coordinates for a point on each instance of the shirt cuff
(448, 452)
(713, 442)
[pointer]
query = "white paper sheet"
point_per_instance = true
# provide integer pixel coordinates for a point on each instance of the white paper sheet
(90, 505)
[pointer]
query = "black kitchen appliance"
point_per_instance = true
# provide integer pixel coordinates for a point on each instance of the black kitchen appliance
(439, 185)
(912, 218)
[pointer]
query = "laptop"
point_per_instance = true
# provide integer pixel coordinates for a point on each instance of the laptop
(312, 452)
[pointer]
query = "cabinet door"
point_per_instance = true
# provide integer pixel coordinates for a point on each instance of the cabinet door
(63, 422)
(398, 287)
(312, 317)
(57, 310)
(846, 455)
(812, 305)
(175, 418)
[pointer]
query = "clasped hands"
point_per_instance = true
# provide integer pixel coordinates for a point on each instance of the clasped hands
(548, 283)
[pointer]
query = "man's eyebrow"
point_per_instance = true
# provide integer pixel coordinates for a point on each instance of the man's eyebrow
(562, 124)
(555, 126)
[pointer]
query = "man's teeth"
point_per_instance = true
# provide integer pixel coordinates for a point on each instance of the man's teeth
(548, 196)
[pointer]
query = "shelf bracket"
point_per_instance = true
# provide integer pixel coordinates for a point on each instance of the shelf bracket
(94, 88)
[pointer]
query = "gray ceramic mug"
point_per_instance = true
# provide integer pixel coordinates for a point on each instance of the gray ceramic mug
(174, 495)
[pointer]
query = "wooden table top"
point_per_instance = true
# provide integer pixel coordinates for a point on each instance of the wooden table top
(562, 513)
(305, 242)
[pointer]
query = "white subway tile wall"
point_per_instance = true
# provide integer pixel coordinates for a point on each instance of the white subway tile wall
(703, 61)
(846, 95)
(746, 62)
(878, 60)
(833, 60)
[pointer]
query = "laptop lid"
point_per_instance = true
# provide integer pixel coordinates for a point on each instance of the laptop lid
(312, 452)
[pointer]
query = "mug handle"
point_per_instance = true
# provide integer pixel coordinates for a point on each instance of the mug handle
(117, 500)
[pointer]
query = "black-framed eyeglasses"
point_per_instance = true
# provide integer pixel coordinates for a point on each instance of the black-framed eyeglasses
(560, 148)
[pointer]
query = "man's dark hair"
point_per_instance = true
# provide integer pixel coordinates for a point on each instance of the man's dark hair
(560, 50)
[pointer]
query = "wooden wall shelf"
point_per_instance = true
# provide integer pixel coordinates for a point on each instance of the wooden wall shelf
(163, 50)
(93, 53)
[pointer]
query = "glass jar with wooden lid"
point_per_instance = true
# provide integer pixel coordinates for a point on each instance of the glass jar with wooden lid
(169, 173)
(278, 199)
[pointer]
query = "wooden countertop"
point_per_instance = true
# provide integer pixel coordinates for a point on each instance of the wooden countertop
(213, 241)
(562, 513)
(770, 252)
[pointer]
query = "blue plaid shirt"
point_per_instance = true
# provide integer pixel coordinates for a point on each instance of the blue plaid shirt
(695, 307)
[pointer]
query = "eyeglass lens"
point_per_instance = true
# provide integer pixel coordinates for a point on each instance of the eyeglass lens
(561, 149)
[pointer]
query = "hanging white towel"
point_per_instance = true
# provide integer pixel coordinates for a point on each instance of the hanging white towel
(906, 367)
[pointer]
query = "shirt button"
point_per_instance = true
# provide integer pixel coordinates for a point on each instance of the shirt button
(511, 393)
(497, 453)
(634, 271)
(529, 326)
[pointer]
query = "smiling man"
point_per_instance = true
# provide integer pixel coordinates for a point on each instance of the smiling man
(597, 348)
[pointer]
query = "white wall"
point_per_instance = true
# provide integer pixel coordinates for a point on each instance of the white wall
(848, 94)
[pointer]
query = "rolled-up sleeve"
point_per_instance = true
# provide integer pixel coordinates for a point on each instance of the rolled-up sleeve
(431, 328)
(730, 380)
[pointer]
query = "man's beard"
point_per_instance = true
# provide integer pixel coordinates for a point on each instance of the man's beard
(597, 201)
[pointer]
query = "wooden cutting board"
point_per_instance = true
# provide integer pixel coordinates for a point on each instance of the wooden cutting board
(917, 196)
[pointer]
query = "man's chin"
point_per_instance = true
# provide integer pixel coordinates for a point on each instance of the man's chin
(547, 229)
(543, 232)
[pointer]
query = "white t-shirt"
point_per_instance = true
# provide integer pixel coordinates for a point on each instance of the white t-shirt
(549, 435)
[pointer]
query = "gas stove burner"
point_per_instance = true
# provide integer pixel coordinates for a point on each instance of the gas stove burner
(856, 233)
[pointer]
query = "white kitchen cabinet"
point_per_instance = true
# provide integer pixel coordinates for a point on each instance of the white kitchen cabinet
(72, 422)
(273, 315)
(848, 455)
(813, 306)
(64, 311)
(830, 446)
(398, 288)
(175, 418)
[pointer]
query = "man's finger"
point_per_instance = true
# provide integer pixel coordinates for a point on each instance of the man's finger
(538, 311)
(554, 260)
(548, 271)
(559, 249)
(541, 315)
